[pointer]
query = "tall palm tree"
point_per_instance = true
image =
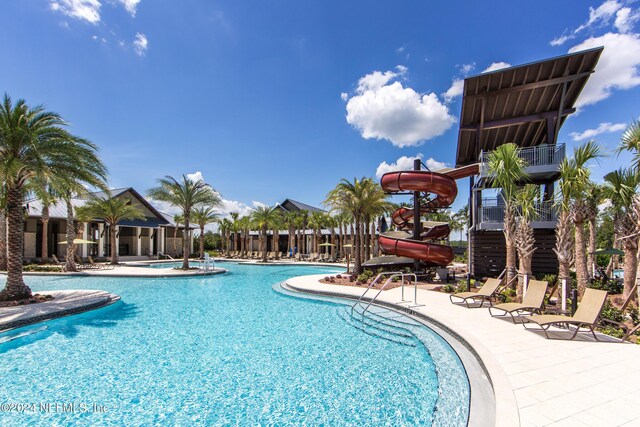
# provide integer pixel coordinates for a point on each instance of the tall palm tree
(525, 239)
(263, 218)
(304, 222)
(620, 188)
(276, 224)
(375, 204)
(289, 219)
(507, 171)
(34, 142)
(186, 195)
(594, 197)
(3, 228)
(235, 226)
(316, 222)
(349, 197)
(631, 142)
(575, 181)
(112, 210)
(202, 216)
(177, 219)
(225, 232)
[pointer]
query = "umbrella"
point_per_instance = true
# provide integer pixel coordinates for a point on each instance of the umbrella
(326, 244)
(80, 242)
(348, 246)
(608, 251)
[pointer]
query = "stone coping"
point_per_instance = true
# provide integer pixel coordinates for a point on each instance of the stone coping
(65, 303)
(536, 381)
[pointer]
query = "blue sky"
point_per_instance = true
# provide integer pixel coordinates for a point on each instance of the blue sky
(269, 100)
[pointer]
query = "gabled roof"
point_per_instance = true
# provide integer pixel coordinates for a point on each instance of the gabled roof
(525, 104)
(290, 205)
(59, 208)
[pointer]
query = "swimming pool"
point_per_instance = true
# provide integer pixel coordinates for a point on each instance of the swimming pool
(221, 350)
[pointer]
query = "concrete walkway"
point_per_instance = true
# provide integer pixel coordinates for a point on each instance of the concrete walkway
(63, 304)
(537, 382)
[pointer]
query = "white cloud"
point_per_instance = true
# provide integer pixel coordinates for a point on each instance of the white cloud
(344, 96)
(495, 66)
(140, 44)
(600, 16)
(195, 177)
(130, 5)
(228, 206)
(405, 163)
(99, 39)
(602, 13)
(454, 91)
(618, 67)
(85, 10)
(558, 41)
(625, 19)
(383, 109)
(602, 128)
(465, 69)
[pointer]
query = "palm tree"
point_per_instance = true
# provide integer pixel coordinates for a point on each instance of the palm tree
(289, 219)
(112, 210)
(507, 171)
(304, 222)
(34, 142)
(235, 226)
(186, 195)
(225, 231)
(349, 197)
(177, 219)
(631, 142)
(263, 218)
(202, 216)
(3, 229)
(316, 222)
(375, 204)
(525, 239)
(575, 181)
(276, 224)
(594, 197)
(620, 188)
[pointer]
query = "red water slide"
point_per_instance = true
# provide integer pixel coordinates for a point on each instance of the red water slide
(439, 191)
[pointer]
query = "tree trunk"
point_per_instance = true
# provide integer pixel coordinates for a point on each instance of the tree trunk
(367, 238)
(15, 288)
(509, 237)
(564, 250)
(592, 247)
(112, 242)
(201, 242)
(630, 269)
(582, 274)
(264, 243)
(45, 233)
(3, 240)
(175, 238)
(525, 243)
(185, 243)
(70, 262)
(357, 261)
(276, 243)
(333, 243)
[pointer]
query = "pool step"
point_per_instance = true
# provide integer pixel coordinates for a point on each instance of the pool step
(375, 322)
(9, 336)
(386, 316)
(378, 331)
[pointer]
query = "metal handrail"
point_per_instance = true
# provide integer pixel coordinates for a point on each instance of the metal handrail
(378, 277)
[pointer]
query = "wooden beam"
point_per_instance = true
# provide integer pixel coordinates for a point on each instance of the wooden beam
(530, 86)
(513, 121)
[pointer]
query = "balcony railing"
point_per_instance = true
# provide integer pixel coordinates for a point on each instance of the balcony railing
(492, 212)
(542, 155)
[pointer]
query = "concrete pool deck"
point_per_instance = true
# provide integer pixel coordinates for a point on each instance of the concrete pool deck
(64, 303)
(536, 381)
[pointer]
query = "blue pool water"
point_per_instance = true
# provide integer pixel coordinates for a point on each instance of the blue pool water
(221, 350)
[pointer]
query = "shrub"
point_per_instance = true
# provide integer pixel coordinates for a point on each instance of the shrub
(611, 286)
(633, 314)
(449, 288)
(612, 331)
(612, 313)
(41, 268)
(509, 295)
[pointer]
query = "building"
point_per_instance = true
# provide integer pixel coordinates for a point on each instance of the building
(525, 105)
(155, 234)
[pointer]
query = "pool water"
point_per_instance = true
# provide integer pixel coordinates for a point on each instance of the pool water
(221, 350)
(618, 273)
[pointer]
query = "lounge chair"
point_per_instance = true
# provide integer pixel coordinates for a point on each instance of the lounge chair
(94, 264)
(81, 264)
(587, 315)
(532, 301)
(485, 293)
(57, 262)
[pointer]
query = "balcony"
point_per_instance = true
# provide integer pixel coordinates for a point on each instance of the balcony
(491, 215)
(542, 161)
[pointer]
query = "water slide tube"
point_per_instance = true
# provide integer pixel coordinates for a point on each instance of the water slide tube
(440, 191)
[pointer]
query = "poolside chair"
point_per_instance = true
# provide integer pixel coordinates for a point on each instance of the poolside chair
(81, 264)
(532, 301)
(587, 315)
(57, 262)
(488, 291)
(94, 264)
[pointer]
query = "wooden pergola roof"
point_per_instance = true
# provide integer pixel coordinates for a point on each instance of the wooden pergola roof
(525, 104)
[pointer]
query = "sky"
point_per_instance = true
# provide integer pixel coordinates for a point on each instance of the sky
(282, 99)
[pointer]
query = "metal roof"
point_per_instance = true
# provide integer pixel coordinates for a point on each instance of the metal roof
(295, 206)
(525, 104)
